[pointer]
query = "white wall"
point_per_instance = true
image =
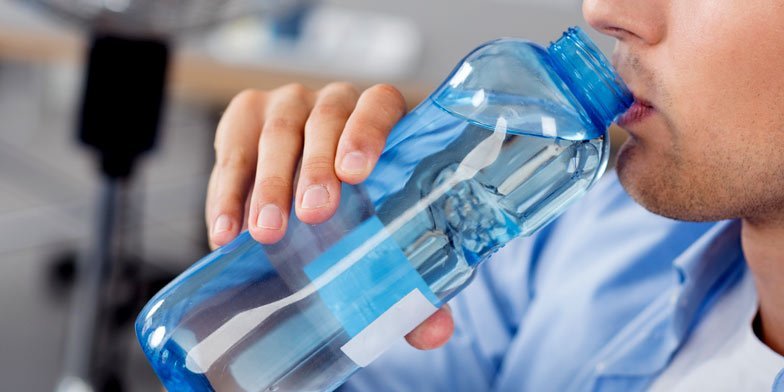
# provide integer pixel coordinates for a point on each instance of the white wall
(451, 28)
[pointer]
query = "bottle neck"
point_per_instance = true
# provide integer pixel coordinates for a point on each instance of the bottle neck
(590, 77)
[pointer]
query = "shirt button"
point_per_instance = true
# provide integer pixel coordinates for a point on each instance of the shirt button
(600, 367)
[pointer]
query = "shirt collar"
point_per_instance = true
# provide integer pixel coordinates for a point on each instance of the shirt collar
(702, 272)
(778, 385)
(709, 256)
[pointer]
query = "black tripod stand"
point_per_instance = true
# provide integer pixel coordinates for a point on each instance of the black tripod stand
(121, 108)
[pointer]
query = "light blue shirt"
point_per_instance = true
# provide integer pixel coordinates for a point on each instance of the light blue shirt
(600, 300)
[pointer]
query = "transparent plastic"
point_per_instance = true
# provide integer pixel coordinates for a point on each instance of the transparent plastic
(514, 135)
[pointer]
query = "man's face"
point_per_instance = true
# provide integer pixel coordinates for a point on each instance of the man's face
(707, 132)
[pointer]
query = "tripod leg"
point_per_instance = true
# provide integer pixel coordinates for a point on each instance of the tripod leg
(88, 296)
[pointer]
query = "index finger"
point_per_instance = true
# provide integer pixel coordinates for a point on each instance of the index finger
(235, 164)
(378, 110)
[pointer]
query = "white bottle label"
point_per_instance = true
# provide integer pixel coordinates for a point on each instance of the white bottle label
(396, 322)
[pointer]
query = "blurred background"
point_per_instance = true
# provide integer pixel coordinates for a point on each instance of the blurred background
(55, 209)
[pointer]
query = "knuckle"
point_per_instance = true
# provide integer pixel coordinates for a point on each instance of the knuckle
(230, 202)
(318, 165)
(231, 199)
(370, 128)
(273, 184)
(247, 101)
(388, 95)
(340, 87)
(386, 88)
(297, 90)
(247, 98)
(363, 138)
(234, 160)
(279, 123)
(330, 110)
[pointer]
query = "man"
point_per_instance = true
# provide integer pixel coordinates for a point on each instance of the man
(610, 297)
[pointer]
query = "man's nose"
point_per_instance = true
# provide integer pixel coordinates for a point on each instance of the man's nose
(628, 20)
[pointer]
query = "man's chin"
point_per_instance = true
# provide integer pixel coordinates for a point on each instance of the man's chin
(653, 184)
(647, 181)
(627, 166)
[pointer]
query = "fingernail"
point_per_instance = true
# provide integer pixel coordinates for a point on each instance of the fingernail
(223, 223)
(354, 162)
(315, 196)
(270, 217)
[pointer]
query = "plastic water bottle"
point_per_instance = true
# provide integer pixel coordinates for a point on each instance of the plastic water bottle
(514, 135)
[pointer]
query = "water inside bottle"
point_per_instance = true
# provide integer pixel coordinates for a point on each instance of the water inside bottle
(453, 210)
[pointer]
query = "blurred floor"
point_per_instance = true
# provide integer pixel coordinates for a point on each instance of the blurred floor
(48, 193)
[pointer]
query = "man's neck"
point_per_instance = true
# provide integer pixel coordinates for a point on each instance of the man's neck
(765, 257)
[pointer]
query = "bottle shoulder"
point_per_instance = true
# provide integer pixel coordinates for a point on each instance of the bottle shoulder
(514, 79)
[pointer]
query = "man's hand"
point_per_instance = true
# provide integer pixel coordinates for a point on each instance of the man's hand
(339, 135)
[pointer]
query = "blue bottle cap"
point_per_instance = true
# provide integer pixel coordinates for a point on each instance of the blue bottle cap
(590, 77)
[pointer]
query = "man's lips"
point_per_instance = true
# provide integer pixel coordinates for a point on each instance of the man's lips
(636, 113)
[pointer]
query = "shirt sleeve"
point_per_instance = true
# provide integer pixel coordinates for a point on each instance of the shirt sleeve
(487, 314)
